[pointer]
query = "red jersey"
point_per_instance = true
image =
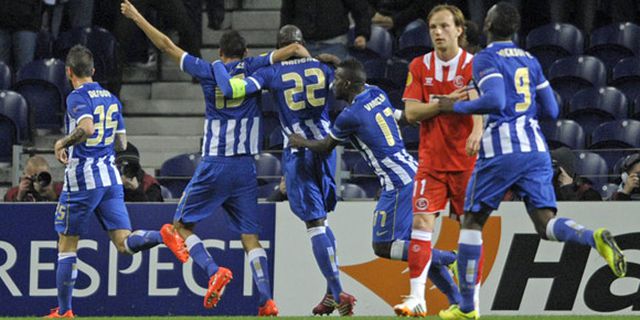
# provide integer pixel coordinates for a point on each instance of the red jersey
(442, 138)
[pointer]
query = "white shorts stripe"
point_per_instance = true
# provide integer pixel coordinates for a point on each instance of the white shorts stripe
(487, 142)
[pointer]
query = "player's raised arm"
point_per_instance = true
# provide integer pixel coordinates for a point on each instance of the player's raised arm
(159, 39)
(292, 50)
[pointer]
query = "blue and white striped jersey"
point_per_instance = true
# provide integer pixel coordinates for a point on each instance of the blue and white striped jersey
(232, 126)
(515, 128)
(370, 125)
(300, 88)
(91, 163)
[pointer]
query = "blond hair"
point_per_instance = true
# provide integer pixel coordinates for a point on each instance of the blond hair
(458, 20)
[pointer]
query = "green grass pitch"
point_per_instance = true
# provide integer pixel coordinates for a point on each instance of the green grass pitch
(363, 318)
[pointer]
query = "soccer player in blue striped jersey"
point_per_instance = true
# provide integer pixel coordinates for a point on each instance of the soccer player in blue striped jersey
(95, 130)
(513, 153)
(370, 126)
(301, 88)
(230, 141)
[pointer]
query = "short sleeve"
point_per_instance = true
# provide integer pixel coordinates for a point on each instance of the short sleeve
(540, 80)
(120, 128)
(261, 61)
(262, 78)
(345, 125)
(413, 88)
(196, 67)
(484, 67)
(78, 107)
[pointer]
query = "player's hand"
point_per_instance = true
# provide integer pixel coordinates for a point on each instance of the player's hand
(301, 51)
(473, 143)
(360, 42)
(328, 59)
(296, 141)
(128, 10)
(130, 183)
(633, 181)
(445, 104)
(60, 152)
(459, 94)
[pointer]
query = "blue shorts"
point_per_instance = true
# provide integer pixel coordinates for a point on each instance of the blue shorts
(527, 174)
(229, 182)
(74, 208)
(393, 216)
(310, 186)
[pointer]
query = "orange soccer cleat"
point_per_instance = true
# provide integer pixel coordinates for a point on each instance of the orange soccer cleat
(269, 309)
(54, 314)
(217, 284)
(174, 241)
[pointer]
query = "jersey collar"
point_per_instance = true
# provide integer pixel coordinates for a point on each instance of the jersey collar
(452, 62)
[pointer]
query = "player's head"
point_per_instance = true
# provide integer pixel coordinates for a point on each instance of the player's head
(350, 79)
(289, 34)
(502, 21)
(79, 63)
(446, 27)
(232, 45)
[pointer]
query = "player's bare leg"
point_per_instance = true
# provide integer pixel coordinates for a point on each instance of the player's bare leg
(257, 258)
(66, 274)
(553, 228)
(419, 259)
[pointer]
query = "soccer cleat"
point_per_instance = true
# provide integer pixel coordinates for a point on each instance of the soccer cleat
(411, 307)
(217, 283)
(173, 240)
(609, 250)
(55, 315)
(346, 305)
(325, 307)
(453, 267)
(269, 309)
(454, 313)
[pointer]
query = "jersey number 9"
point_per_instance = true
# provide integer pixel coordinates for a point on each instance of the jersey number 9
(300, 87)
(105, 121)
(523, 87)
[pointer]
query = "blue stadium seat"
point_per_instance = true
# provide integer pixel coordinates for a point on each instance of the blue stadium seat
(592, 106)
(266, 190)
(411, 137)
(379, 46)
(276, 140)
(268, 168)
(14, 106)
(414, 40)
(5, 76)
(607, 190)
(592, 167)
(553, 41)
(572, 74)
(563, 133)
(626, 77)
(8, 132)
(614, 42)
(616, 135)
(176, 172)
(268, 105)
(352, 191)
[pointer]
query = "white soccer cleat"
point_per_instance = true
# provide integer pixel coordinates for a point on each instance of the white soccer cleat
(411, 307)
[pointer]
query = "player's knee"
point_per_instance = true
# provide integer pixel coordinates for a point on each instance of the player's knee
(382, 249)
(122, 249)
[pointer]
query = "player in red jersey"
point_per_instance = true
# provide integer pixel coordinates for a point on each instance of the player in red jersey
(447, 152)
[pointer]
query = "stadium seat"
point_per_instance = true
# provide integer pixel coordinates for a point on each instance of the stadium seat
(592, 106)
(614, 42)
(5, 76)
(553, 41)
(379, 46)
(264, 191)
(607, 190)
(563, 133)
(165, 192)
(8, 132)
(572, 74)
(616, 170)
(276, 140)
(411, 137)
(352, 191)
(268, 168)
(47, 70)
(176, 172)
(635, 113)
(414, 40)
(14, 106)
(592, 167)
(616, 135)
(626, 77)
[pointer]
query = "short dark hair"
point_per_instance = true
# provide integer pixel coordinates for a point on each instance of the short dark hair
(354, 71)
(80, 60)
(506, 21)
(289, 34)
(232, 44)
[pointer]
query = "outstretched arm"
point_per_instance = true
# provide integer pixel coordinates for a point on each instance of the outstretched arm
(159, 39)
(320, 146)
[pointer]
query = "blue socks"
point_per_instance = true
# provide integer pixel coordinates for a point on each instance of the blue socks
(260, 270)
(470, 249)
(439, 274)
(66, 275)
(142, 240)
(332, 238)
(200, 255)
(324, 252)
(567, 230)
